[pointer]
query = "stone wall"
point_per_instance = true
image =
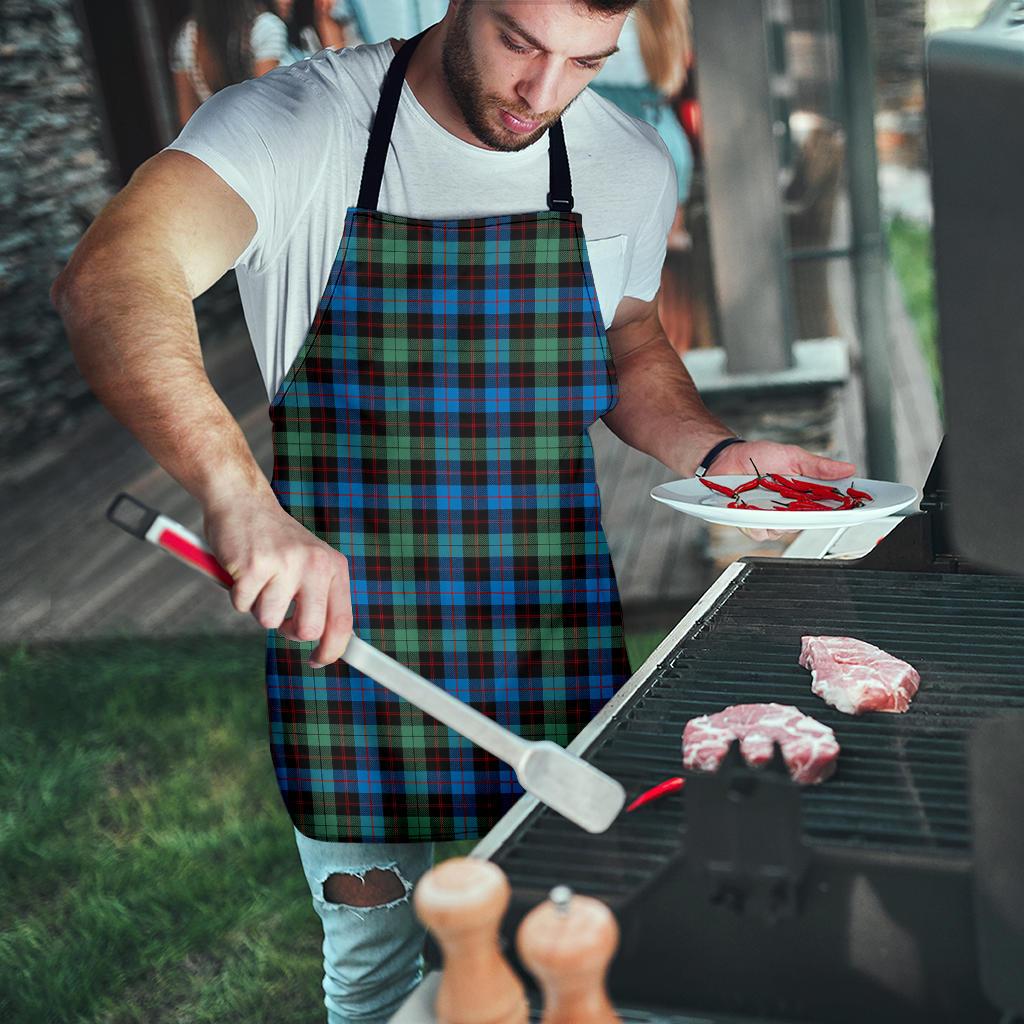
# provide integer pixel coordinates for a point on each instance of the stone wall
(53, 180)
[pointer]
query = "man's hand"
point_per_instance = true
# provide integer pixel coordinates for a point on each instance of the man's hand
(771, 457)
(275, 560)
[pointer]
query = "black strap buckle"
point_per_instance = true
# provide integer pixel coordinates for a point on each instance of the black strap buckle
(562, 205)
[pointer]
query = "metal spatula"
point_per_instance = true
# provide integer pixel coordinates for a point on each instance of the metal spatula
(567, 784)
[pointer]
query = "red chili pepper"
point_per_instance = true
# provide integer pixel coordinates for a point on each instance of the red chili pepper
(786, 492)
(750, 485)
(807, 506)
(721, 489)
(809, 487)
(862, 495)
(668, 786)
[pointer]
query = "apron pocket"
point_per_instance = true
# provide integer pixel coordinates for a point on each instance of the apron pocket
(608, 267)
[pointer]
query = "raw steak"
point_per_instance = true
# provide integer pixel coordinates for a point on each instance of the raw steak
(808, 747)
(855, 677)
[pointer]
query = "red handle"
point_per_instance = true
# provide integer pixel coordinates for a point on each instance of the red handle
(195, 553)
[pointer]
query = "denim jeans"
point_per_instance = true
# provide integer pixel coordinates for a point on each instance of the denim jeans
(372, 955)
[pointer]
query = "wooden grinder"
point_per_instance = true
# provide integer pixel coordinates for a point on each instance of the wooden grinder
(567, 943)
(462, 901)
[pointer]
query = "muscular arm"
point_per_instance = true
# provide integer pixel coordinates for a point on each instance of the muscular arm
(659, 410)
(126, 301)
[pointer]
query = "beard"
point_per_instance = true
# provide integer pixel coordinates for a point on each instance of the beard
(480, 109)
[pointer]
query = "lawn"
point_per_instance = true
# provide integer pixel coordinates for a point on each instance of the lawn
(910, 248)
(149, 870)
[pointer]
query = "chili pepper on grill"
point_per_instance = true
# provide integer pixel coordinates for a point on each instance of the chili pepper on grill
(668, 786)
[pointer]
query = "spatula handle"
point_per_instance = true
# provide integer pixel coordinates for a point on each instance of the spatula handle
(437, 703)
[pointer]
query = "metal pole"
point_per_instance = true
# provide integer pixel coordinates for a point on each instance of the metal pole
(857, 69)
(154, 63)
(742, 174)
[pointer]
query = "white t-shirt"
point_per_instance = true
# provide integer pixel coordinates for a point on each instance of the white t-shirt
(292, 144)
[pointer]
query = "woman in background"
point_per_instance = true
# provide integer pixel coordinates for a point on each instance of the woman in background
(648, 73)
(644, 79)
(312, 26)
(221, 43)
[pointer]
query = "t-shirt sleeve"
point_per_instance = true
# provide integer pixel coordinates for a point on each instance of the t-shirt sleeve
(269, 139)
(269, 38)
(652, 238)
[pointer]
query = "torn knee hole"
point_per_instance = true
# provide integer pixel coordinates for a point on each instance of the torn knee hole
(375, 888)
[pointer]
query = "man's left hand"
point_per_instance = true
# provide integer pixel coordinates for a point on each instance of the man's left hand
(771, 457)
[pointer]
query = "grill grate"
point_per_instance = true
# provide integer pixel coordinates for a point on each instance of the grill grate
(901, 785)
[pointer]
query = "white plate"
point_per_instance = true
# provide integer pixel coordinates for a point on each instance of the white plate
(693, 498)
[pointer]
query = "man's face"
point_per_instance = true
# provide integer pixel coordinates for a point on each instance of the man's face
(513, 66)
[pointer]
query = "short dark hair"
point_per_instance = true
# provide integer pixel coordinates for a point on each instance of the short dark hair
(608, 7)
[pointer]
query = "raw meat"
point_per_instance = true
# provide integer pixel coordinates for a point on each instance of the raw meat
(808, 747)
(855, 677)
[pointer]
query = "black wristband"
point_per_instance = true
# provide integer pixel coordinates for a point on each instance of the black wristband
(705, 463)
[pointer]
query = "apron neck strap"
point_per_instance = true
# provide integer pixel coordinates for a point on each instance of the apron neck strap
(560, 186)
(559, 196)
(383, 122)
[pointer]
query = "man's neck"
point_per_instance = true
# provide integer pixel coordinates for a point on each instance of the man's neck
(426, 79)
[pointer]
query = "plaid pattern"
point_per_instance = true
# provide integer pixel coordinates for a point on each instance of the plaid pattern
(433, 429)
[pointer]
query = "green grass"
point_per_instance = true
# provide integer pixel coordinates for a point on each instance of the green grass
(910, 247)
(149, 870)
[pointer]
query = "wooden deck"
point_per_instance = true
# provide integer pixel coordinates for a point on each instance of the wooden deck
(69, 573)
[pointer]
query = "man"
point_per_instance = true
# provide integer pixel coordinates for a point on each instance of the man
(433, 476)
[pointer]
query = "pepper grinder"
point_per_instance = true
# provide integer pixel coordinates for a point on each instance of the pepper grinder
(567, 943)
(462, 901)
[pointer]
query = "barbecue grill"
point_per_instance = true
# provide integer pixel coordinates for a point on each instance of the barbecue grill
(746, 896)
(895, 890)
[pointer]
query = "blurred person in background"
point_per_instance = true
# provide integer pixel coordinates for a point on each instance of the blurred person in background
(313, 25)
(221, 43)
(645, 79)
(375, 20)
(647, 75)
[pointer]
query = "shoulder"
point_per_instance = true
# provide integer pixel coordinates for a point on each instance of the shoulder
(361, 67)
(317, 94)
(350, 79)
(620, 139)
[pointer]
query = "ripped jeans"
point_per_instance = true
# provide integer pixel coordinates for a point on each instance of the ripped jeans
(372, 954)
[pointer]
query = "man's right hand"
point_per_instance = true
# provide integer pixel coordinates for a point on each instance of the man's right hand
(274, 560)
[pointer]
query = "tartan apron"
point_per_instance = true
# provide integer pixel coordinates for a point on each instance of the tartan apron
(433, 429)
